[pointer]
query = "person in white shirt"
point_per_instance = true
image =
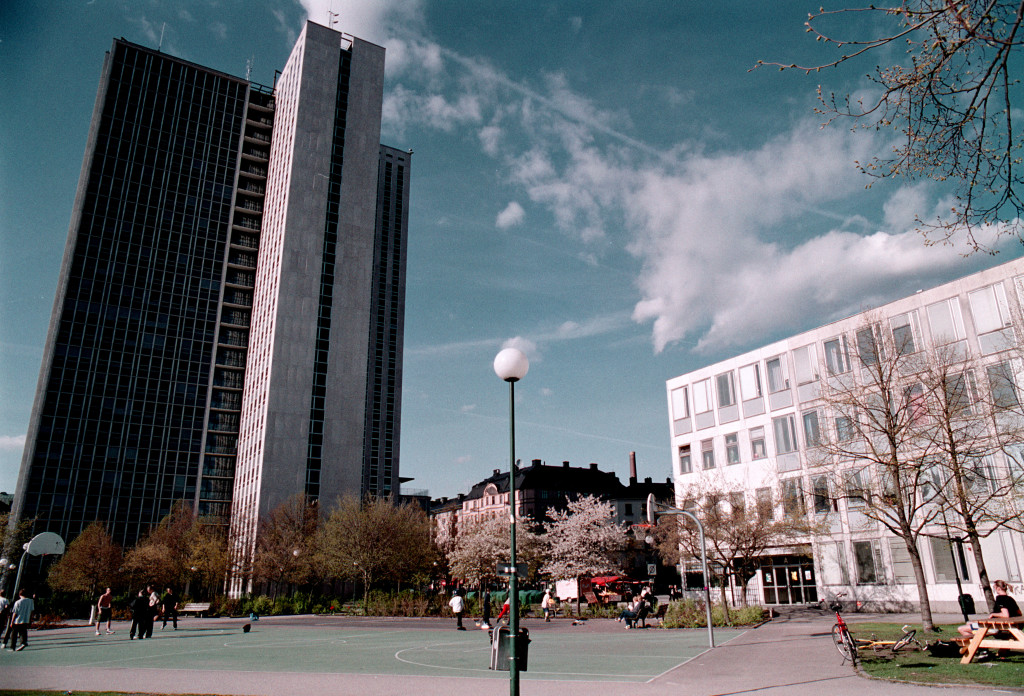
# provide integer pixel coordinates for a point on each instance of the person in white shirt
(21, 618)
(458, 605)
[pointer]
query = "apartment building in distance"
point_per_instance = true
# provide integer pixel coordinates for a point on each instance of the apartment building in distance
(754, 425)
(229, 316)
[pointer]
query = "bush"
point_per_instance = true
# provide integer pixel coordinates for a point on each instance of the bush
(690, 614)
(405, 603)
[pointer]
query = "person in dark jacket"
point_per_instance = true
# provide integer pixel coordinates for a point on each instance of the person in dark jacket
(140, 611)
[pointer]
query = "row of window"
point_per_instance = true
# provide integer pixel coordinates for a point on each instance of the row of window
(961, 393)
(902, 333)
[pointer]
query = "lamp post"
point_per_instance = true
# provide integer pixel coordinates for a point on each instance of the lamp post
(652, 517)
(511, 365)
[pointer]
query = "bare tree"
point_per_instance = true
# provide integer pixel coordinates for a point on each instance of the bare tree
(583, 540)
(881, 452)
(91, 561)
(967, 425)
(737, 540)
(951, 100)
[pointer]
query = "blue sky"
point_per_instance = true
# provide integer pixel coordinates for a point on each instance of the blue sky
(601, 184)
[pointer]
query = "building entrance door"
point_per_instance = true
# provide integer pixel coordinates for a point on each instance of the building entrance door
(789, 580)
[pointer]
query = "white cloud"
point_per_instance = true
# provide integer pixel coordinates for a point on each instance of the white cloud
(371, 20)
(468, 408)
(12, 443)
(528, 347)
(513, 214)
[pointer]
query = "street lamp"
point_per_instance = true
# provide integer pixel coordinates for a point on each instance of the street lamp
(511, 365)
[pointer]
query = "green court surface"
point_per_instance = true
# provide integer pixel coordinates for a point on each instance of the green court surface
(597, 651)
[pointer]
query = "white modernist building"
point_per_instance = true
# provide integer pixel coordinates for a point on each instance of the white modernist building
(753, 425)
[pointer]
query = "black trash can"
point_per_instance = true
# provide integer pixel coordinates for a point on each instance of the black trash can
(500, 648)
(967, 603)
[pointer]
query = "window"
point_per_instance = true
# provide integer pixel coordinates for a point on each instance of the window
(707, 453)
(822, 499)
(805, 361)
(763, 499)
(726, 390)
(903, 333)
(943, 554)
(750, 382)
(793, 497)
(758, 450)
(685, 465)
(989, 308)
(732, 448)
(837, 356)
(737, 505)
(958, 393)
(776, 376)
(702, 396)
(945, 320)
(869, 562)
(680, 404)
(846, 428)
(869, 348)
(914, 402)
(857, 494)
(1001, 382)
(785, 434)
(812, 431)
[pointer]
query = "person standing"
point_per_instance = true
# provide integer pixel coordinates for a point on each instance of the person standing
(104, 610)
(485, 618)
(458, 605)
(170, 608)
(21, 618)
(154, 610)
(5, 616)
(140, 610)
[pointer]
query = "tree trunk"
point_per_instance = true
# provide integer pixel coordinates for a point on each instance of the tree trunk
(979, 560)
(722, 580)
(922, 587)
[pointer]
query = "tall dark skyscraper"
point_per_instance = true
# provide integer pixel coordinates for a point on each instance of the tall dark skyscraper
(228, 322)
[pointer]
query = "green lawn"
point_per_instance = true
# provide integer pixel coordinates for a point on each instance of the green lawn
(920, 666)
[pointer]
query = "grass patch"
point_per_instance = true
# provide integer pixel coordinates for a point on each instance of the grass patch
(919, 666)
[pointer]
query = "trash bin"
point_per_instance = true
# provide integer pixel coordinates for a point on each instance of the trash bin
(967, 603)
(500, 648)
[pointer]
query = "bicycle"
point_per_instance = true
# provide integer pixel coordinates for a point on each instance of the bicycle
(908, 638)
(844, 642)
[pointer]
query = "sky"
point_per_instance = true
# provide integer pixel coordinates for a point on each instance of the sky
(606, 186)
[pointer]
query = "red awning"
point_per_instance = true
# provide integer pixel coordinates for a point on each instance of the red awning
(604, 579)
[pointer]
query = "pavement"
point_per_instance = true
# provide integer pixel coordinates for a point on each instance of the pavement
(286, 656)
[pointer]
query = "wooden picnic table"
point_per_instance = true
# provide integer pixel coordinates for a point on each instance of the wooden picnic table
(991, 627)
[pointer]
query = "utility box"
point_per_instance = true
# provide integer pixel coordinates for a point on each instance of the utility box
(501, 648)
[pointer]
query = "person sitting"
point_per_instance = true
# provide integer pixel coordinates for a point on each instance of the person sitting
(1004, 606)
(633, 612)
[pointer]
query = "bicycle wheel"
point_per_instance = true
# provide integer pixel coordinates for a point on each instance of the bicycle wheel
(841, 637)
(851, 646)
(906, 640)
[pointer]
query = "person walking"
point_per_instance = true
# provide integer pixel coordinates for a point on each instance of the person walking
(169, 603)
(458, 605)
(140, 610)
(548, 605)
(21, 619)
(5, 616)
(104, 610)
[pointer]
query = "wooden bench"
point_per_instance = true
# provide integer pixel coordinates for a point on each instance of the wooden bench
(985, 637)
(197, 608)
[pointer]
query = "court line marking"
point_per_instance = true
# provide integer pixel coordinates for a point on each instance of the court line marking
(705, 650)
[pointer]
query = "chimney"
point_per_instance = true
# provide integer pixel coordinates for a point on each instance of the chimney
(593, 466)
(535, 462)
(565, 465)
(497, 471)
(632, 468)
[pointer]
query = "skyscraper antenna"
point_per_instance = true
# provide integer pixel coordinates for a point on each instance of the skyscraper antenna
(161, 44)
